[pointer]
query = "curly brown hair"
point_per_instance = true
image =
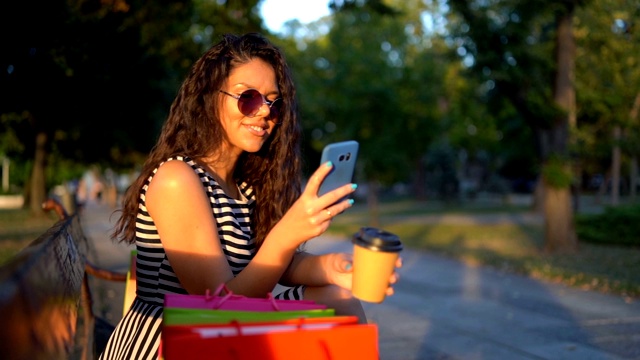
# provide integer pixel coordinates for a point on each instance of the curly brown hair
(193, 129)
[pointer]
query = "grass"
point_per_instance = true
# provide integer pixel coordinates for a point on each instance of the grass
(18, 228)
(506, 246)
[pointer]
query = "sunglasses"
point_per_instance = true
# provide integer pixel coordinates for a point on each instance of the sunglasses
(250, 101)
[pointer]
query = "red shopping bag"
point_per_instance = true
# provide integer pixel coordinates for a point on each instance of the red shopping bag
(335, 338)
(231, 301)
(233, 328)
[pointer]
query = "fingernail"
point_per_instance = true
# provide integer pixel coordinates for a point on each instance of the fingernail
(348, 266)
(328, 164)
(354, 186)
(351, 201)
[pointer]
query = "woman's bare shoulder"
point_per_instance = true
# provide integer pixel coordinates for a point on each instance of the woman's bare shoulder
(174, 175)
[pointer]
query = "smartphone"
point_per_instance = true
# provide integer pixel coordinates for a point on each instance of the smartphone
(343, 155)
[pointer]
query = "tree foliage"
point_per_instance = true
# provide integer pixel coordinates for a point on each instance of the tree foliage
(94, 79)
(608, 80)
(366, 80)
(404, 78)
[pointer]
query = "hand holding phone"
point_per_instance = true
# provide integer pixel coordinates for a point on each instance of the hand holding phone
(343, 155)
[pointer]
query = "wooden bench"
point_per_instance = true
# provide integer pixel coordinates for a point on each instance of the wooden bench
(46, 303)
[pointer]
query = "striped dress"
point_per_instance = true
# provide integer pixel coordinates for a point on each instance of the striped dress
(137, 335)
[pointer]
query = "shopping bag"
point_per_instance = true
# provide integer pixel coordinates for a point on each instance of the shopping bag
(182, 316)
(324, 339)
(251, 328)
(231, 301)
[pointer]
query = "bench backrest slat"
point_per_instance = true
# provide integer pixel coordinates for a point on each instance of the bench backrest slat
(40, 294)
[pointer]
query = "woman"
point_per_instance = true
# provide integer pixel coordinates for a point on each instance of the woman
(219, 199)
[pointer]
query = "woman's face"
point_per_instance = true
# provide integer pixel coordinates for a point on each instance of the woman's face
(245, 133)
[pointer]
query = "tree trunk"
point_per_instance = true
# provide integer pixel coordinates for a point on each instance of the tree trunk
(560, 235)
(615, 166)
(633, 173)
(5, 174)
(633, 117)
(538, 197)
(373, 204)
(420, 181)
(602, 189)
(37, 195)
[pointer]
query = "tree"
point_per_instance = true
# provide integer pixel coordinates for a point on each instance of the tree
(77, 65)
(366, 80)
(512, 47)
(350, 92)
(560, 235)
(607, 75)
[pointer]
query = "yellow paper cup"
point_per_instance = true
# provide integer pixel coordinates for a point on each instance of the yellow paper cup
(375, 253)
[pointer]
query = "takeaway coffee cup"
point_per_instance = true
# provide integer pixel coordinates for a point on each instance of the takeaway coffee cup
(375, 253)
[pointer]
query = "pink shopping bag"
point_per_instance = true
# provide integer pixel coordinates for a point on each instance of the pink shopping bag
(231, 301)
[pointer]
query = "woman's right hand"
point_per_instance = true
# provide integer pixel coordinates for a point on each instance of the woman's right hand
(310, 216)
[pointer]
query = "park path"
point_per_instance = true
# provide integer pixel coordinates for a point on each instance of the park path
(445, 309)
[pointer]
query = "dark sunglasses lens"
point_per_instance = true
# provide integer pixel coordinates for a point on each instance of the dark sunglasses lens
(250, 102)
(275, 110)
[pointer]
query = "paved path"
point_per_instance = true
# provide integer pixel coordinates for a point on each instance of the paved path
(444, 309)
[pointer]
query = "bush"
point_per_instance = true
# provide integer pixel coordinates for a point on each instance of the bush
(615, 226)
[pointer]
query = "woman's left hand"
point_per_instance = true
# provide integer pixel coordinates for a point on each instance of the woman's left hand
(341, 272)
